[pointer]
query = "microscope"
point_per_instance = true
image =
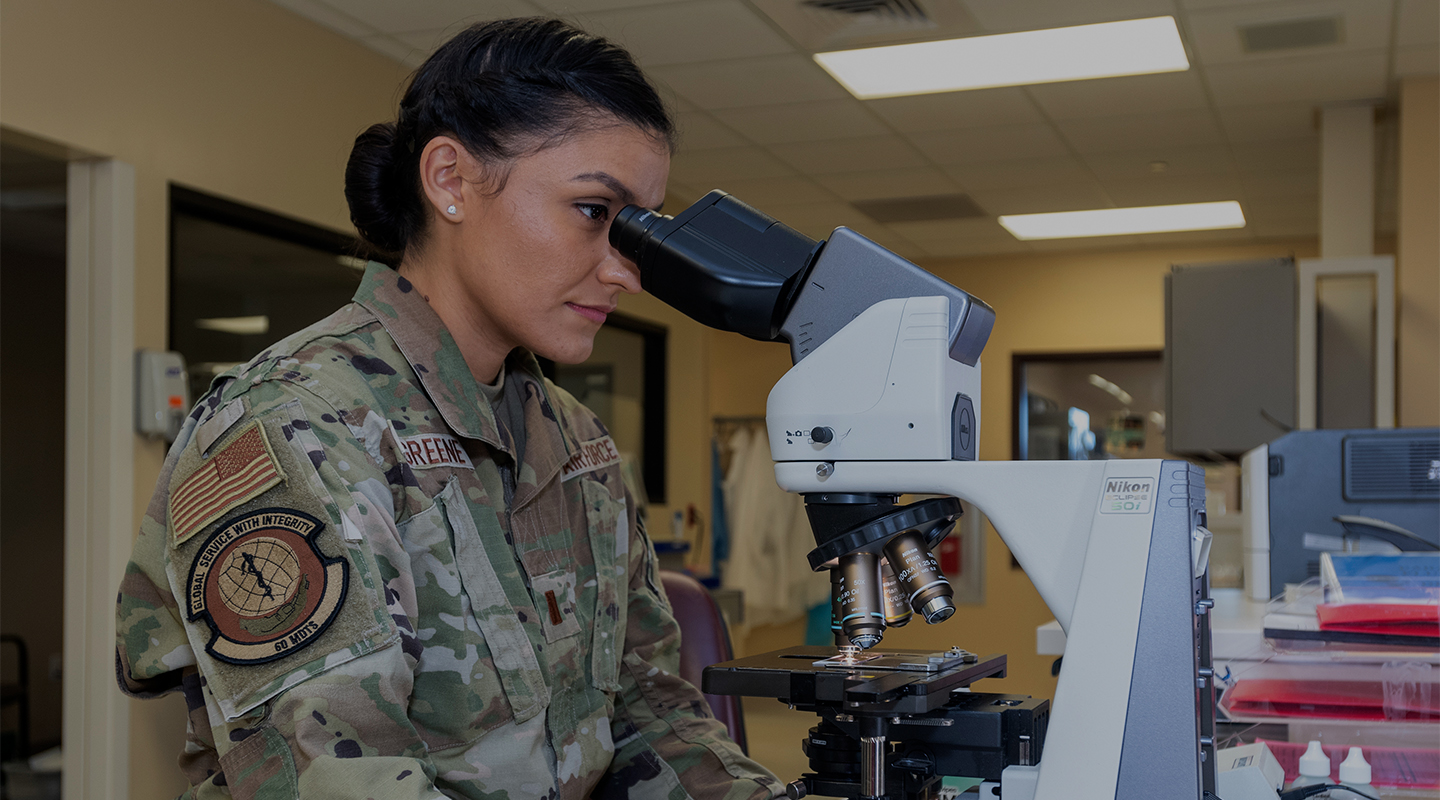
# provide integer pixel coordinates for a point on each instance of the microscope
(883, 401)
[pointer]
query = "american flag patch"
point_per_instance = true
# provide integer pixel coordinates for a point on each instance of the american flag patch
(238, 472)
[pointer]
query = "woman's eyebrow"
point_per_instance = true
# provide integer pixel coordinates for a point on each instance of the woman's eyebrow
(610, 182)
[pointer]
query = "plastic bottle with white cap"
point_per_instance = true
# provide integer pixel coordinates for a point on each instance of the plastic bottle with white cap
(1355, 774)
(1314, 766)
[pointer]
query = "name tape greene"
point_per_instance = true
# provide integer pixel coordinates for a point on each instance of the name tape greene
(426, 450)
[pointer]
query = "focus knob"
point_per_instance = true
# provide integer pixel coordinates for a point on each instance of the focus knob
(822, 435)
(795, 790)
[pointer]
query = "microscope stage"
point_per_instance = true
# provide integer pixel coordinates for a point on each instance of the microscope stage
(896, 681)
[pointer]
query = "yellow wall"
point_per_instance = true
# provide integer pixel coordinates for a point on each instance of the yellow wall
(240, 99)
(1418, 258)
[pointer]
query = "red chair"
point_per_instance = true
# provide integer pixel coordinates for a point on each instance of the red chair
(704, 640)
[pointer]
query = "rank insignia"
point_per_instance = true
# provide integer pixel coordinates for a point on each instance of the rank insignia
(263, 586)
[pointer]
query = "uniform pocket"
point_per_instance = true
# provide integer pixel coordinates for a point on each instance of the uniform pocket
(458, 695)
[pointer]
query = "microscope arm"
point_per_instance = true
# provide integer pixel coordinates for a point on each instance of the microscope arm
(1113, 548)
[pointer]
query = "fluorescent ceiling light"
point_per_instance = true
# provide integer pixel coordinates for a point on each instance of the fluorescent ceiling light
(239, 325)
(1119, 221)
(352, 262)
(1105, 50)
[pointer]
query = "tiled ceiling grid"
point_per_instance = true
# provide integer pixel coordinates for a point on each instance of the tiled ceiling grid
(762, 121)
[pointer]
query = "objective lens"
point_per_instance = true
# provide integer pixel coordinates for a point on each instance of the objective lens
(897, 608)
(837, 586)
(860, 617)
(920, 578)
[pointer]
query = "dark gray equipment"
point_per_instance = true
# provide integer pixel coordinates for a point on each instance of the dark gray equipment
(1230, 355)
(1392, 476)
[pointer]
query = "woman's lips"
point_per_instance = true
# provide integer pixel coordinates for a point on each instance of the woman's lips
(591, 313)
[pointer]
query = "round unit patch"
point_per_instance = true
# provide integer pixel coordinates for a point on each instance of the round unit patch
(263, 586)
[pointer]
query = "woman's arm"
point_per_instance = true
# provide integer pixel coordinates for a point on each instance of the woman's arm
(666, 737)
(257, 566)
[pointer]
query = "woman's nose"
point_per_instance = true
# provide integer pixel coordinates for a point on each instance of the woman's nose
(621, 272)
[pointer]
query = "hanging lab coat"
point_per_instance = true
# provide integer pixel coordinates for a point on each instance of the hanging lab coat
(769, 537)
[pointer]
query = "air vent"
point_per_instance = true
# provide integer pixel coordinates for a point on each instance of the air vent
(904, 11)
(1404, 467)
(1291, 34)
(920, 209)
(821, 25)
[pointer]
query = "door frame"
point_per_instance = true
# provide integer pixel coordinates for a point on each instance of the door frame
(99, 469)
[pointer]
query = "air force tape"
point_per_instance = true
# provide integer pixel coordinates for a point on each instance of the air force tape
(263, 586)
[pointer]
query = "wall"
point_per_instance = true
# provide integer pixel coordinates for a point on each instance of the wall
(240, 99)
(1418, 255)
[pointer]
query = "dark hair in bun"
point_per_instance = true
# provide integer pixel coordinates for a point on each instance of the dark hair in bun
(502, 88)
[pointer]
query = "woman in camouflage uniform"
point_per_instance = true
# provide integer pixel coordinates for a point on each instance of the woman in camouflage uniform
(386, 558)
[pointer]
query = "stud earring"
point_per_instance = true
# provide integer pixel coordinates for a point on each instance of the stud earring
(450, 210)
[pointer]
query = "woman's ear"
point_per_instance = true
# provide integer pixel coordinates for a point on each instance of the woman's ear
(441, 176)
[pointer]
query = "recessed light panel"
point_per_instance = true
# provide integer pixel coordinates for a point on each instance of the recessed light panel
(1121, 221)
(1104, 50)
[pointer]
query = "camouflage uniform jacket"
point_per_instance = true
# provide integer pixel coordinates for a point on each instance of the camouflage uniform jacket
(362, 595)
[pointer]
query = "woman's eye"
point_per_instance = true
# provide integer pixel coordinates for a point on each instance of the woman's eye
(598, 213)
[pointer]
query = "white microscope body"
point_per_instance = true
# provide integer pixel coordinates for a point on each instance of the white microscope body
(1117, 549)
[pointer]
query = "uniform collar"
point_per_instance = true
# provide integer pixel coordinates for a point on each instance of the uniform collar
(431, 351)
(434, 356)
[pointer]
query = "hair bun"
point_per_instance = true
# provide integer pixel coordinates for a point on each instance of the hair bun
(370, 190)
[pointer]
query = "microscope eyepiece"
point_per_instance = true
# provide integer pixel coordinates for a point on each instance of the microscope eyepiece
(631, 227)
(721, 262)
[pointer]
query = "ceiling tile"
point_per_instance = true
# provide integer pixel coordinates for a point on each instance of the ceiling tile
(965, 248)
(1023, 172)
(763, 193)
(1419, 23)
(768, 80)
(922, 233)
(1043, 199)
(569, 8)
(1359, 76)
(388, 16)
(1268, 122)
(316, 11)
(683, 33)
(802, 122)
(1421, 60)
(1283, 207)
(817, 220)
(1164, 190)
(1108, 97)
(1244, 234)
(1170, 129)
(712, 168)
(890, 183)
(1295, 155)
(973, 109)
(1179, 161)
(1089, 243)
(999, 143)
(1009, 15)
(841, 155)
(1294, 184)
(698, 131)
(1286, 229)
(1214, 34)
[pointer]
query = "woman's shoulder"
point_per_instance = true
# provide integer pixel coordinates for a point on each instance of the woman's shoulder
(342, 354)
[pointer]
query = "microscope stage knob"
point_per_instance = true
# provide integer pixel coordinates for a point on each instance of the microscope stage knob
(822, 435)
